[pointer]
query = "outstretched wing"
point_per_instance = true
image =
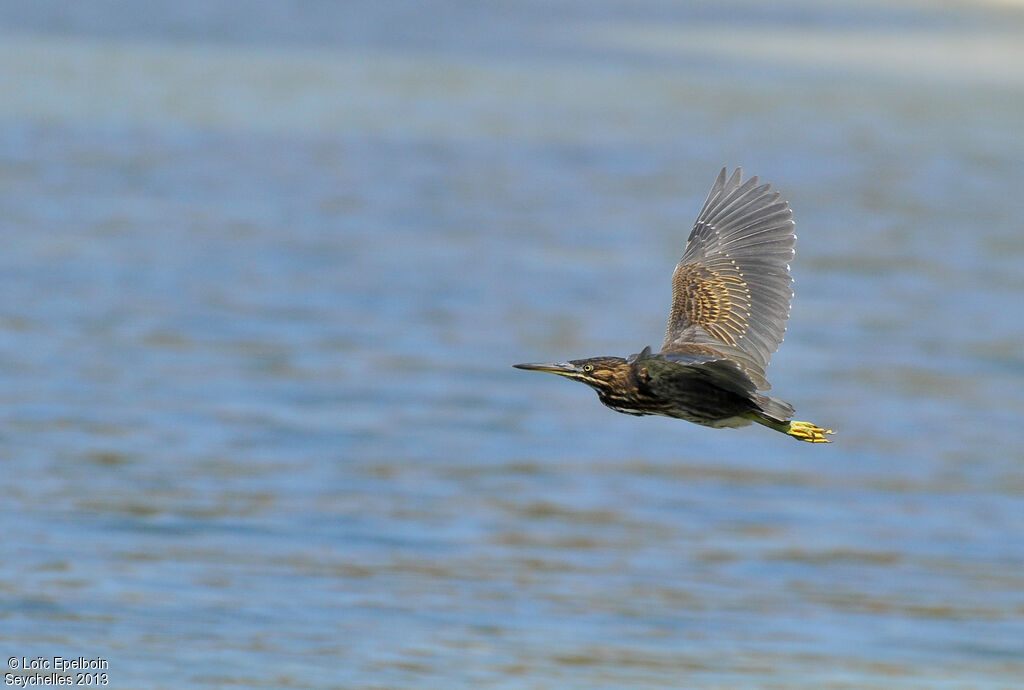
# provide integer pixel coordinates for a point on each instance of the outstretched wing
(731, 291)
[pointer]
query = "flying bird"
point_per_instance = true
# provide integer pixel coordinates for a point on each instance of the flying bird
(731, 295)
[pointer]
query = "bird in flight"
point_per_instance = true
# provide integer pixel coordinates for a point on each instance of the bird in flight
(731, 293)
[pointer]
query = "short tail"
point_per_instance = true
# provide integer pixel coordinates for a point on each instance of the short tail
(775, 414)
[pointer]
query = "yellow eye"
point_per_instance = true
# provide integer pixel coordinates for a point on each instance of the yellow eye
(587, 368)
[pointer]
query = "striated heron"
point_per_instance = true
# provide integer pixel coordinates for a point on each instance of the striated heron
(731, 293)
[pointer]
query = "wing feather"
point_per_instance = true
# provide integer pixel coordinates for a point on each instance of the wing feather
(732, 288)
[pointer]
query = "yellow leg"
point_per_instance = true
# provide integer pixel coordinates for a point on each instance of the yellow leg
(805, 431)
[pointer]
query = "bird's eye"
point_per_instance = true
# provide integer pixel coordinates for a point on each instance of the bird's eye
(587, 368)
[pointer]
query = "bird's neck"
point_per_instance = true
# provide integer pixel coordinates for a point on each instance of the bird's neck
(629, 393)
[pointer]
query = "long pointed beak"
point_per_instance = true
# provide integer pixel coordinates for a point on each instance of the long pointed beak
(560, 368)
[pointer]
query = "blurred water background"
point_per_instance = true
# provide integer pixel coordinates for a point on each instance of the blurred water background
(265, 266)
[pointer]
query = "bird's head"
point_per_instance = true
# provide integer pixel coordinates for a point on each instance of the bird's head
(603, 374)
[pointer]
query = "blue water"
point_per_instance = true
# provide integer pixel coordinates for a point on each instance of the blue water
(266, 266)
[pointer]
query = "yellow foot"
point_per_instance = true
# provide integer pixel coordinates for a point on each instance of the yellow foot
(805, 431)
